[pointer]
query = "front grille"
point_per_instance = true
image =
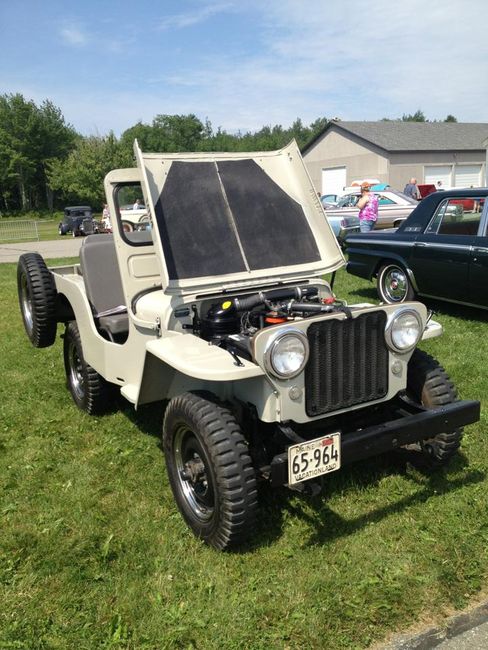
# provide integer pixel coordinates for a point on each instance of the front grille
(348, 363)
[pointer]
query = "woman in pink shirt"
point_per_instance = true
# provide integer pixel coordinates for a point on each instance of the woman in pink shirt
(368, 208)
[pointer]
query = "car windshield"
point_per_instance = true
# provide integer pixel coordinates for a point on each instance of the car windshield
(348, 201)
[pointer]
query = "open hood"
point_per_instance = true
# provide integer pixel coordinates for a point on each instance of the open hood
(229, 219)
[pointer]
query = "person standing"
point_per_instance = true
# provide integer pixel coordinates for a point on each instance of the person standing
(106, 219)
(368, 208)
(412, 190)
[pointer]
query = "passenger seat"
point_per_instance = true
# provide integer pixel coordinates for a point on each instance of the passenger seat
(100, 269)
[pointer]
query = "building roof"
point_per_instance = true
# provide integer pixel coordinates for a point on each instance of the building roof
(396, 135)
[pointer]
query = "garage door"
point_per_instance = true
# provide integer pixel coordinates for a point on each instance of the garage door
(333, 180)
(435, 173)
(468, 175)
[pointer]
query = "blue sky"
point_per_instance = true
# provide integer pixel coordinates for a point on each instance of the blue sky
(243, 64)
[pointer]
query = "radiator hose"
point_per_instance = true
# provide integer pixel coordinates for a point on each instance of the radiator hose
(247, 303)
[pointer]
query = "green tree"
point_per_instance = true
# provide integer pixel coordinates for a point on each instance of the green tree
(57, 140)
(450, 118)
(178, 132)
(418, 116)
(80, 176)
(19, 149)
(30, 136)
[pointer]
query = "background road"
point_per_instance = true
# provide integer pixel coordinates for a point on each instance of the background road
(62, 247)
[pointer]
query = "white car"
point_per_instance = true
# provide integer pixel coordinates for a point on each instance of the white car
(133, 219)
(394, 207)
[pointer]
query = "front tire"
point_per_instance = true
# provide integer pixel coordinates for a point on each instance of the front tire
(90, 391)
(429, 384)
(210, 470)
(393, 284)
(37, 299)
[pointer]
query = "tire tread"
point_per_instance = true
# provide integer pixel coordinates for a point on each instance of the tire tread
(431, 384)
(236, 481)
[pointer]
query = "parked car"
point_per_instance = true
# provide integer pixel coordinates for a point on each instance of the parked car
(426, 189)
(341, 225)
(222, 310)
(440, 251)
(394, 207)
(78, 220)
(329, 199)
(134, 219)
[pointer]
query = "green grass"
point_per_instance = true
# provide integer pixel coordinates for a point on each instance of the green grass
(93, 552)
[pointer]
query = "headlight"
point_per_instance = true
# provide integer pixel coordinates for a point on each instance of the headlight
(403, 330)
(286, 355)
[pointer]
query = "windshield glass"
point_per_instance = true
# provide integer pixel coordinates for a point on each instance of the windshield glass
(348, 201)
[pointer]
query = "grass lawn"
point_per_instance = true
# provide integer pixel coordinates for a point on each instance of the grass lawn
(94, 554)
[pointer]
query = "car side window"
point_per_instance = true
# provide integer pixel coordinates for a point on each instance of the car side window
(384, 200)
(457, 216)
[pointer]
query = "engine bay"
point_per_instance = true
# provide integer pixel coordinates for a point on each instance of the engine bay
(232, 321)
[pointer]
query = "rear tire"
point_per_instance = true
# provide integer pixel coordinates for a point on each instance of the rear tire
(90, 391)
(127, 226)
(37, 299)
(393, 284)
(429, 384)
(210, 470)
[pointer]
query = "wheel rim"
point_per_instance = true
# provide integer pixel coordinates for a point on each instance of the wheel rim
(395, 284)
(193, 476)
(76, 371)
(26, 301)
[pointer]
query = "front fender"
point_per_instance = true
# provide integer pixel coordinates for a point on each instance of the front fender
(197, 358)
(176, 363)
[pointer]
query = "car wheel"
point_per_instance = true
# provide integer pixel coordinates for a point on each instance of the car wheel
(209, 469)
(37, 299)
(90, 391)
(127, 226)
(393, 284)
(429, 384)
(61, 230)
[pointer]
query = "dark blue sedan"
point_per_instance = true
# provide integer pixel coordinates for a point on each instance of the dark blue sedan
(440, 251)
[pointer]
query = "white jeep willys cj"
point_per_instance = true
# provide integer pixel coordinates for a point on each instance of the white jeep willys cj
(221, 308)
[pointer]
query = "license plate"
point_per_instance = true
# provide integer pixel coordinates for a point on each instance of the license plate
(314, 458)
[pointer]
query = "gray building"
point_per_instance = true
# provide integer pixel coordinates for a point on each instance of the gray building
(394, 151)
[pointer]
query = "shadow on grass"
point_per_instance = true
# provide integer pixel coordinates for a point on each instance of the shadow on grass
(461, 312)
(330, 526)
(148, 418)
(365, 292)
(327, 525)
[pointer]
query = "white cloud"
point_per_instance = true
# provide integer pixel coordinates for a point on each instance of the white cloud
(189, 18)
(305, 58)
(346, 59)
(73, 35)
